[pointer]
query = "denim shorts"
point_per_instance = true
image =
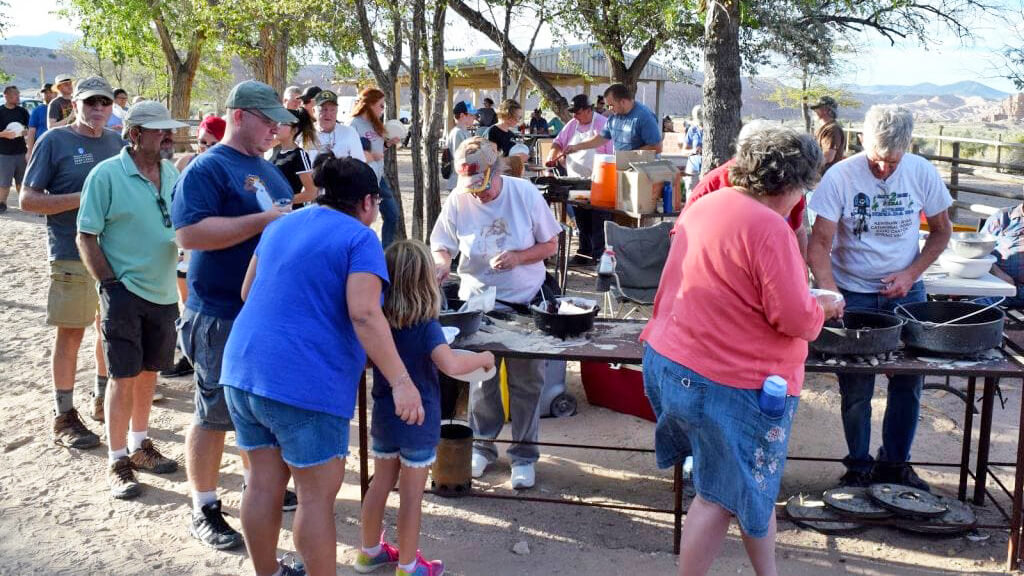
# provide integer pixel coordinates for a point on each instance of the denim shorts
(306, 438)
(738, 451)
(411, 457)
(201, 339)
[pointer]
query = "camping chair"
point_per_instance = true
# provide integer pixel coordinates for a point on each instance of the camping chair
(640, 255)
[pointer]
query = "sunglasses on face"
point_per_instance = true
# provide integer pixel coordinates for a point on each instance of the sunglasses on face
(98, 101)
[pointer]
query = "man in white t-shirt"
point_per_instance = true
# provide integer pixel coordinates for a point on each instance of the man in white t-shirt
(338, 138)
(865, 244)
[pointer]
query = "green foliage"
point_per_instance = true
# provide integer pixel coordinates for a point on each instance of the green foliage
(795, 97)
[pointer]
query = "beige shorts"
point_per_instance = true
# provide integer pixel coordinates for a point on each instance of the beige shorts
(72, 302)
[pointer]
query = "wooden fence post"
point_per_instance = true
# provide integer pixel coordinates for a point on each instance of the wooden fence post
(938, 142)
(954, 177)
(999, 152)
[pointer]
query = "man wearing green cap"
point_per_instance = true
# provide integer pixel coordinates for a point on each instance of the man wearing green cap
(127, 243)
(56, 173)
(222, 202)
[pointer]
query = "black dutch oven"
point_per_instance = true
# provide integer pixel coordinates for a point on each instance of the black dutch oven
(956, 328)
(861, 333)
(467, 322)
(563, 326)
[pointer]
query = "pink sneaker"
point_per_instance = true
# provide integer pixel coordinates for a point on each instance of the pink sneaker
(423, 567)
(388, 556)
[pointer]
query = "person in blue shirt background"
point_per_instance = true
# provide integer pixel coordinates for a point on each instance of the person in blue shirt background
(632, 126)
(693, 146)
(37, 120)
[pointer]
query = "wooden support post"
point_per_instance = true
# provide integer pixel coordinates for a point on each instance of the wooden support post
(659, 86)
(999, 152)
(938, 142)
(954, 177)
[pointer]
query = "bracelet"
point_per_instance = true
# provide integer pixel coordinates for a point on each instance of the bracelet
(109, 282)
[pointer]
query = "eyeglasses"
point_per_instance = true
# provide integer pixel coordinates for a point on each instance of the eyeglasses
(266, 121)
(163, 211)
(98, 101)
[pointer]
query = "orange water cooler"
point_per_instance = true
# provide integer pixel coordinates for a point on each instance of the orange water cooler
(605, 181)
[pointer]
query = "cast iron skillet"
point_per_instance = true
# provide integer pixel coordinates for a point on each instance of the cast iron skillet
(862, 333)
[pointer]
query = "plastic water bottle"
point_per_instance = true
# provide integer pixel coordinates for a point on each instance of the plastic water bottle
(773, 396)
(666, 198)
(606, 267)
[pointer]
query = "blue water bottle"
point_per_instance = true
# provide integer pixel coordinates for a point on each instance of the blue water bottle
(666, 198)
(773, 396)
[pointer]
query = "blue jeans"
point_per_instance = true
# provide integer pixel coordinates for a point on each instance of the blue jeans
(388, 213)
(901, 411)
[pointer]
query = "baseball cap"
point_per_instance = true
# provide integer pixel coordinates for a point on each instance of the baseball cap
(310, 93)
(46, 88)
(214, 125)
(61, 78)
(254, 95)
(152, 115)
(463, 107)
(473, 162)
(325, 97)
(580, 102)
(825, 102)
(92, 86)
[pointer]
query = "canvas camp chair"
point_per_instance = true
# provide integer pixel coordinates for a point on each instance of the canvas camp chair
(640, 255)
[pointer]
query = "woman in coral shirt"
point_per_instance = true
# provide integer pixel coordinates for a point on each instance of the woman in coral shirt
(732, 309)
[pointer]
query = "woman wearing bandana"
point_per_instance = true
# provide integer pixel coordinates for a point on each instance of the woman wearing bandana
(503, 229)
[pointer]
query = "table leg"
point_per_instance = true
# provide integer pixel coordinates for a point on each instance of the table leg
(965, 454)
(364, 464)
(984, 439)
(677, 487)
(1013, 547)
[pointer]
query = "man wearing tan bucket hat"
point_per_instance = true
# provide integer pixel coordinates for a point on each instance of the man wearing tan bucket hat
(60, 112)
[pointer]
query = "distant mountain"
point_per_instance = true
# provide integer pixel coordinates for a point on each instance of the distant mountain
(51, 40)
(927, 90)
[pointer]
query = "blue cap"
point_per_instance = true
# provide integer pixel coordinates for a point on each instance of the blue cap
(463, 107)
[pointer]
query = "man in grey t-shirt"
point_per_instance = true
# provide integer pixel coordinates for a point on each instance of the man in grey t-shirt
(60, 162)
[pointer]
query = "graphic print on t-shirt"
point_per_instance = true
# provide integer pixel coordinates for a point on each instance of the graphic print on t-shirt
(492, 240)
(890, 214)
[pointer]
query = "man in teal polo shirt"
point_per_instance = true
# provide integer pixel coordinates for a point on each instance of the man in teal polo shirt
(126, 239)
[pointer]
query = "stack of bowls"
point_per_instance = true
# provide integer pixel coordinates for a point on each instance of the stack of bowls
(970, 254)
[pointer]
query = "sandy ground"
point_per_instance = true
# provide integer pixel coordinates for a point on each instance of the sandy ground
(56, 515)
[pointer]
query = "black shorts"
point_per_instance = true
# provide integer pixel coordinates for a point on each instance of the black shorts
(138, 335)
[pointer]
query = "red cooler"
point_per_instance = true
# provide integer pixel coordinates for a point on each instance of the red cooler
(618, 387)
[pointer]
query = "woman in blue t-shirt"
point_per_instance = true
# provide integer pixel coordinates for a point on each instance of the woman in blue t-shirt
(295, 355)
(412, 307)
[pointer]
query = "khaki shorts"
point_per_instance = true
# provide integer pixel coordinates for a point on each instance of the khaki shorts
(72, 301)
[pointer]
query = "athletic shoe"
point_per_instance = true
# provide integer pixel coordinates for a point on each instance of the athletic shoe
(182, 368)
(97, 408)
(288, 504)
(522, 476)
(423, 567)
(388, 556)
(480, 464)
(210, 528)
(157, 396)
(121, 479)
(148, 458)
(71, 432)
(290, 566)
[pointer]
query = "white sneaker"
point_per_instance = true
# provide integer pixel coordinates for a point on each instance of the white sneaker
(480, 464)
(522, 476)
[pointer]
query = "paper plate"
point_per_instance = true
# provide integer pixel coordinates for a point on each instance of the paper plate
(836, 296)
(16, 127)
(450, 333)
(395, 129)
(479, 375)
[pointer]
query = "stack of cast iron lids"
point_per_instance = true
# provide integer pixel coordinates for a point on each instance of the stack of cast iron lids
(839, 510)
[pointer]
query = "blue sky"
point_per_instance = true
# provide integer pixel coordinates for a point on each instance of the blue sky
(944, 61)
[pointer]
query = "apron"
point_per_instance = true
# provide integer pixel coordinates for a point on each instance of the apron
(581, 164)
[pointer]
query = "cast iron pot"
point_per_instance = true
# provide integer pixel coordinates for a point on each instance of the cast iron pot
(966, 336)
(563, 325)
(862, 333)
(467, 322)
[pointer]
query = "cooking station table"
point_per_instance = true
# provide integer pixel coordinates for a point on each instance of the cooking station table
(615, 341)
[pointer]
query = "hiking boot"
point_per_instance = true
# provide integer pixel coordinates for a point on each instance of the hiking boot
(97, 408)
(901, 473)
(290, 566)
(210, 528)
(69, 431)
(423, 567)
(855, 479)
(148, 458)
(388, 556)
(121, 479)
(182, 368)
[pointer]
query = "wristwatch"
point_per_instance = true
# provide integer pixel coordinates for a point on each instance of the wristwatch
(109, 282)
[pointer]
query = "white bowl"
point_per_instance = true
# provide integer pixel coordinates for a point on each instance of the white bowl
(965, 267)
(479, 375)
(972, 244)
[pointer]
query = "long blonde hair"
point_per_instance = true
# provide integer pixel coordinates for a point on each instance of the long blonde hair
(414, 296)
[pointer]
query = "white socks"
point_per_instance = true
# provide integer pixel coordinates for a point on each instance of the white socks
(408, 567)
(245, 475)
(200, 499)
(135, 439)
(113, 455)
(371, 552)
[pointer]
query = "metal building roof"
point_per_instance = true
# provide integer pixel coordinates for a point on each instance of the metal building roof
(566, 63)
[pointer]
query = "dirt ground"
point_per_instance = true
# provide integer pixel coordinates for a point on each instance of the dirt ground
(56, 515)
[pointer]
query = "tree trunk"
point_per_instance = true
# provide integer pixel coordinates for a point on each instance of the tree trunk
(722, 87)
(415, 85)
(475, 19)
(805, 109)
(439, 96)
(386, 81)
(270, 65)
(504, 75)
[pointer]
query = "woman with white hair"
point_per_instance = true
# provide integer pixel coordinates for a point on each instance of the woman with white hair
(864, 243)
(693, 145)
